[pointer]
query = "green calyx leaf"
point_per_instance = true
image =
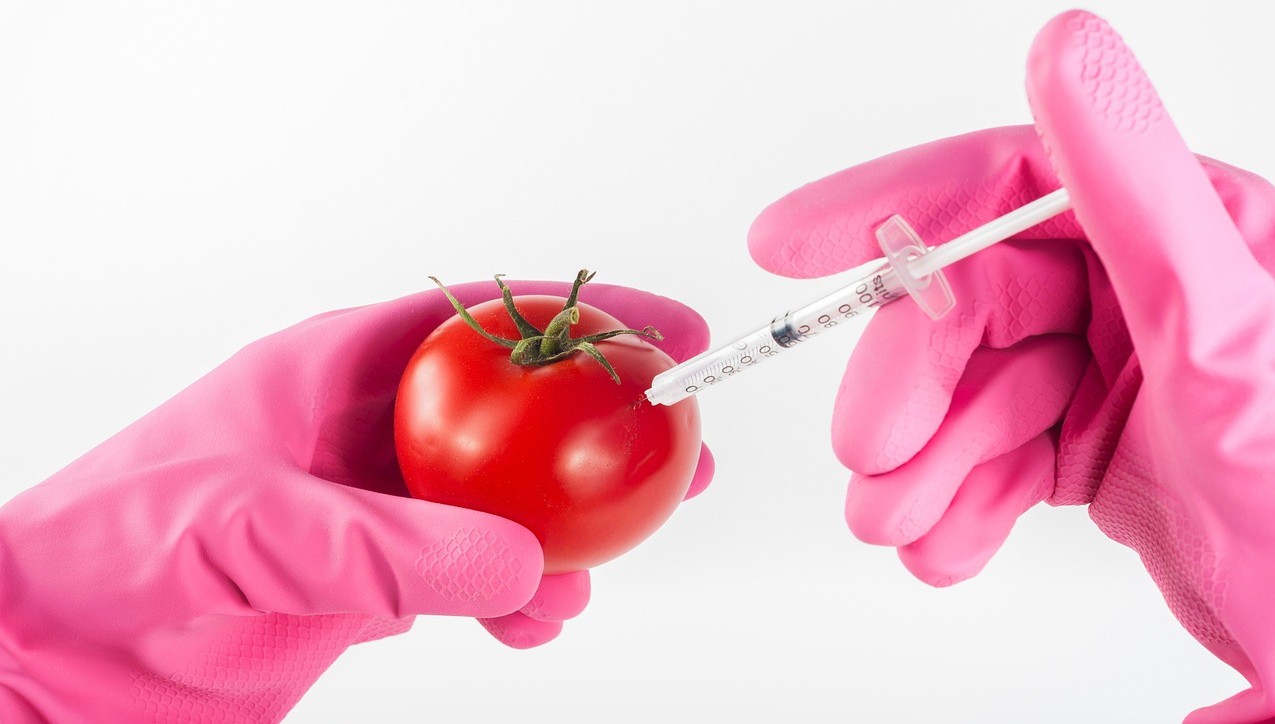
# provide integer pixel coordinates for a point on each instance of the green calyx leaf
(554, 343)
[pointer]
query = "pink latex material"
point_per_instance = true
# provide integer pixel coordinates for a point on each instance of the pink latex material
(1129, 365)
(207, 563)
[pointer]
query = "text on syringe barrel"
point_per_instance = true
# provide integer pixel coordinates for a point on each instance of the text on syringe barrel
(786, 331)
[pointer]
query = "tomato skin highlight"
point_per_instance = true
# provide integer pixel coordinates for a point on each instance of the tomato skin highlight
(588, 465)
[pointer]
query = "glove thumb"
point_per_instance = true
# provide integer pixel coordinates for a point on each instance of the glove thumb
(302, 545)
(1185, 278)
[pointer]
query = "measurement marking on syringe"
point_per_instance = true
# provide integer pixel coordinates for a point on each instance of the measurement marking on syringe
(784, 332)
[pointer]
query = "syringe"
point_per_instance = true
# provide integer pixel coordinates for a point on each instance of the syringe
(909, 267)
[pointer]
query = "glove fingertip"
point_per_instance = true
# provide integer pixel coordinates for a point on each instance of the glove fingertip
(703, 473)
(941, 571)
(980, 517)
(769, 236)
(519, 631)
(803, 236)
(871, 449)
(484, 566)
(904, 371)
(559, 597)
(877, 524)
(684, 331)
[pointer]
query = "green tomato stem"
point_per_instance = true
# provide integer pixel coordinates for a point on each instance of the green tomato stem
(555, 343)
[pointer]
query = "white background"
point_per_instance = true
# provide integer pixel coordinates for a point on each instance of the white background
(178, 179)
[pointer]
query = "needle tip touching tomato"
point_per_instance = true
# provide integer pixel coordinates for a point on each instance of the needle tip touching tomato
(532, 408)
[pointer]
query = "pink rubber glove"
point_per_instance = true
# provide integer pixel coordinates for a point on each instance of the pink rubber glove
(207, 563)
(1130, 365)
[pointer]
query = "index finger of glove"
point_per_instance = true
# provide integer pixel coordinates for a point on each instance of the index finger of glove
(943, 189)
(685, 332)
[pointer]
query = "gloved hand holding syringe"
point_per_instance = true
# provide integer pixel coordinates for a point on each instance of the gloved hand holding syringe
(909, 267)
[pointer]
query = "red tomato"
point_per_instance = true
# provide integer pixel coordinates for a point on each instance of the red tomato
(586, 464)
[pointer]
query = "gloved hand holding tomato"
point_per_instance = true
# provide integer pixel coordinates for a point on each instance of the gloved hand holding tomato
(208, 562)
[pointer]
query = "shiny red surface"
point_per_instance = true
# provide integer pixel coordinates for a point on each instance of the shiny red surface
(584, 463)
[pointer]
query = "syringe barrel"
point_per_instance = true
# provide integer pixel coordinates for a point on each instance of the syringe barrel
(712, 367)
(878, 287)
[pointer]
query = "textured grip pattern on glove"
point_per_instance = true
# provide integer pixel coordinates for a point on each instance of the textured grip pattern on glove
(245, 678)
(470, 565)
(1118, 88)
(1134, 509)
